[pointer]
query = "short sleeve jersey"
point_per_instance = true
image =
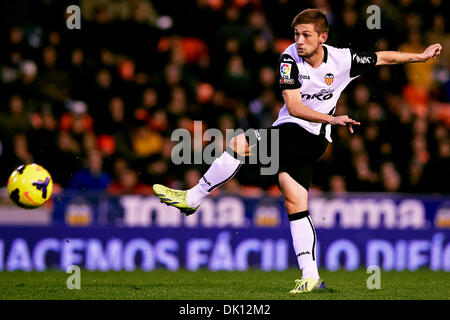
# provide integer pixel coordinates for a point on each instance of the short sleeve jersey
(320, 87)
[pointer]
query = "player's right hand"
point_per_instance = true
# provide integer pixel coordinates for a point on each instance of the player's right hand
(344, 121)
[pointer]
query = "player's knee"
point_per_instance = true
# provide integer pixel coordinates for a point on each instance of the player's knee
(294, 205)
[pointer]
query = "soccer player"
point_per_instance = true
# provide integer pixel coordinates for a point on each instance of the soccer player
(312, 77)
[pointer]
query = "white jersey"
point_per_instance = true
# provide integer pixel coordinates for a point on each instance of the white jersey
(322, 86)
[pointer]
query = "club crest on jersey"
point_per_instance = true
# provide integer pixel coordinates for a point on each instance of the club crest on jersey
(329, 78)
(285, 70)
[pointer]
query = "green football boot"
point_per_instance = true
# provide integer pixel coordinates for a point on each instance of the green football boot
(307, 285)
(175, 198)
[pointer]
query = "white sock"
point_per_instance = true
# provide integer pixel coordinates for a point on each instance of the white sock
(221, 170)
(304, 241)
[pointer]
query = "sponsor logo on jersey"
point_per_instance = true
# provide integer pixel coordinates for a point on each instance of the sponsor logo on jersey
(304, 77)
(285, 70)
(324, 94)
(329, 78)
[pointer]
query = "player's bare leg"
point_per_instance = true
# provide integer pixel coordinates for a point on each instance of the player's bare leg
(303, 233)
(221, 170)
(295, 196)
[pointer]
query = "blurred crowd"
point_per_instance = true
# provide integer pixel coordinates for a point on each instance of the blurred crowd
(97, 106)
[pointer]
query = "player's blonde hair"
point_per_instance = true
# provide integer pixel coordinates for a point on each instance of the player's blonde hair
(313, 16)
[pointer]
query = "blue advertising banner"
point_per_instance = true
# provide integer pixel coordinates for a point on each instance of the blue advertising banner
(112, 248)
(352, 211)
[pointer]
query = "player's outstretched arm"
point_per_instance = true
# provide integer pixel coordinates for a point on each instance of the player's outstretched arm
(397, 57)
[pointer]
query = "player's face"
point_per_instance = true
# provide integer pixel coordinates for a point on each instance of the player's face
(307, 39)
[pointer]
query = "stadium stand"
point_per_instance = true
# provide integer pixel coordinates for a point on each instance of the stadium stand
(137, 70)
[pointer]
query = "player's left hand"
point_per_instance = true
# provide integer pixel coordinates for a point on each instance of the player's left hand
(344, 121)
(431, 52)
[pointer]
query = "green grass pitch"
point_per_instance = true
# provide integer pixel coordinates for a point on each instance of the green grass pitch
(221, 285)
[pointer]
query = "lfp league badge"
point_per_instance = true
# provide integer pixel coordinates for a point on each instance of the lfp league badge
(285, 70)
